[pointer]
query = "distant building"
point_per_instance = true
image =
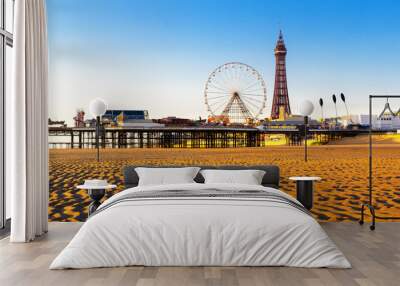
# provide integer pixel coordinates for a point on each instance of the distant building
(176, 121)
(129, 118)
(140, 123)
(383, 122)
(387, 120)
(291, 122)
(112, 115)
(56, 123)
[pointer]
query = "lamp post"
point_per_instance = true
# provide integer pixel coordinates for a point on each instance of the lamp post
(321, 104)
(306, 109)
(347, 109)
(336, 118)
(97, 108)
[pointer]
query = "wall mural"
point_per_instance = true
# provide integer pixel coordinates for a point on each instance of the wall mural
(244, 119)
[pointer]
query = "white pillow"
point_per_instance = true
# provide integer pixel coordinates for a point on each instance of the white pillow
(166, 176)
(248, 177)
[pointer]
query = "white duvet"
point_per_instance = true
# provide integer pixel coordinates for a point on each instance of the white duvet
(193, 231)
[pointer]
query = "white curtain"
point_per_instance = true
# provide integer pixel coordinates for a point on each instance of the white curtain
(27, 148)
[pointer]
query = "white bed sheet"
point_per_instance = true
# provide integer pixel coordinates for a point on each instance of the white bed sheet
(200, 232)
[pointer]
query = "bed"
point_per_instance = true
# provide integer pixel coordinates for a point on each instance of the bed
(197, 224)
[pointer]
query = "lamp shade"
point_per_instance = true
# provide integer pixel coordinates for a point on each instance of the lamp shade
(306, 108)
(97, 107)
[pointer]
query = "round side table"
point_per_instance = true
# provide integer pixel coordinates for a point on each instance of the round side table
(305, 190)
(96, 193)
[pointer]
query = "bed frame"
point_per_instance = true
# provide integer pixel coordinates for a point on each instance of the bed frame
(271, 177)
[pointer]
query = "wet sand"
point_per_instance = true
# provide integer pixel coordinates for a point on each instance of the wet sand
(343, 168)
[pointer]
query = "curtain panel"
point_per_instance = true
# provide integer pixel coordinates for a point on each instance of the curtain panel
(27, 130)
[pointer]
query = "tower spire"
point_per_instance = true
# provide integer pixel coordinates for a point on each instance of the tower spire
(280, 103)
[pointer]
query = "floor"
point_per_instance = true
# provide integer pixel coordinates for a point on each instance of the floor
(375, 257)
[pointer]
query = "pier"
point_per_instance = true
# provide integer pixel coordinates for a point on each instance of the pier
(186, 137)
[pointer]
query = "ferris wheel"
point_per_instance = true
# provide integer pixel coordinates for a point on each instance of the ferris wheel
(235, 91)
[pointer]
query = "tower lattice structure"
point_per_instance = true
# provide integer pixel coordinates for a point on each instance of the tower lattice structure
(280, 103)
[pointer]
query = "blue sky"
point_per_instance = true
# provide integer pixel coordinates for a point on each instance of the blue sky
(157, 54)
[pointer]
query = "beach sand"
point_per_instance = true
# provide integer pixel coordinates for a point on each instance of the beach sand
(342, 167)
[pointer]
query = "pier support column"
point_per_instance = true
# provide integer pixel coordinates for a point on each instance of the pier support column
(72, 139)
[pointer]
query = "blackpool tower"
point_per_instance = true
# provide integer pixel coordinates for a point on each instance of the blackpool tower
(280, 104)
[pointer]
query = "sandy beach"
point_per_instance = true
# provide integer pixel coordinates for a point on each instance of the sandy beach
(342, 167)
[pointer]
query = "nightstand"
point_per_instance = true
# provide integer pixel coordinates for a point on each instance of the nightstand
(305, 190)
(96, 193)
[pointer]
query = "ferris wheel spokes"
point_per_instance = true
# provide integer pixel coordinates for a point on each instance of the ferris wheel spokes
(235, 91)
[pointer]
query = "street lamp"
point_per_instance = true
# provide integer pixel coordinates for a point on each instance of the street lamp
(336, 118)
(97, 108)
(347, 109)
(306, 108)
(321, 104)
